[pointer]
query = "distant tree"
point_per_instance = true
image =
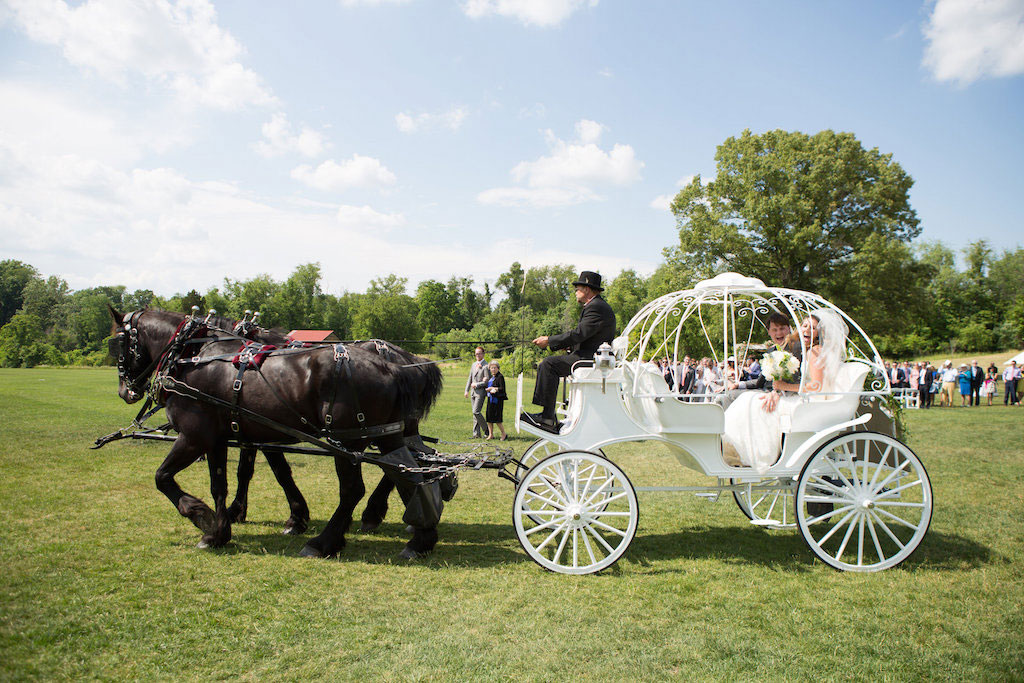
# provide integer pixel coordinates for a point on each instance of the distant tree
(298, 304)
(389, 285)
(511, 282)
(43, 299)
(1006, 275)
(626, 294)
(792, 209)
(193, 298)
(470, 305)
(548, 287)
(254, 294)
(389, 316)
(437, 307)
(14, 275)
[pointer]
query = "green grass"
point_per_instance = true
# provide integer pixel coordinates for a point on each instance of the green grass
(101, 578)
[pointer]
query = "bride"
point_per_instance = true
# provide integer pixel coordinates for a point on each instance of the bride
(753, 423)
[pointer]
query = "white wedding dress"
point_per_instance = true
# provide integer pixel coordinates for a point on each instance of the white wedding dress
(755, 433)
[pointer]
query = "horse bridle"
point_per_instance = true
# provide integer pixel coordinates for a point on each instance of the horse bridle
(129, 349)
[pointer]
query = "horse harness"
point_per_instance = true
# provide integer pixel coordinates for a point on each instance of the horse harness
(191, 331)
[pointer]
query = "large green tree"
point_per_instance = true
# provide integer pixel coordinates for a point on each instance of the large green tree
(792, 209)
(14, 275)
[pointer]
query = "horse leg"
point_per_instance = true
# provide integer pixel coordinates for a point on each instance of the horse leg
(351, 490)
(246, 466)
(423, 504)
(183, 453)
(377, 505)
(298, 521)
(217, 459)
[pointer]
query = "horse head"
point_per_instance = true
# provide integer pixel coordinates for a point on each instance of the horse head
(137, 339)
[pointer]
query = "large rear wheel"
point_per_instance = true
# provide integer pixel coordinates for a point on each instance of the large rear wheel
(863, 502)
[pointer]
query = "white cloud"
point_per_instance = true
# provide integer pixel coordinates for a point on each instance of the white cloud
(543, 13)
(359, 171)
(372, 3)
(571, 174)
(51, 121)
(451, 119)
(93, 224)
(366, 217)
(279, 138)
(535, 111)
(969, 40)
(663, 202)
(179, 46)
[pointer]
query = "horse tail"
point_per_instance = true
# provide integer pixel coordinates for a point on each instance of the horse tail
(434, 382)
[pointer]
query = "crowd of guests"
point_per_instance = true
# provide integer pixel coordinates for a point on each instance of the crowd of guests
(703, 378)
(941, 385)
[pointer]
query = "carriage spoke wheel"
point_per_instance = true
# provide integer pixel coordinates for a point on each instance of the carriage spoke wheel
(537, 451)
(771, 509)
(575, 512)
(863, 502)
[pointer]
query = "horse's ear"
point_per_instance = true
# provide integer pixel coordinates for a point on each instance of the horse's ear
(118, 317)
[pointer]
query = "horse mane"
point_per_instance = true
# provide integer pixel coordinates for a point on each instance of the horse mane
(423, 373)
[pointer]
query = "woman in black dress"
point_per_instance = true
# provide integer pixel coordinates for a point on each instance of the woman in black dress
(496, 398)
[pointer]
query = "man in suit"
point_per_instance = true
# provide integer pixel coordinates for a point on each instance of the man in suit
(924, 386)
(977, 379)
(476, 386)
(596, 327)
(782, 339)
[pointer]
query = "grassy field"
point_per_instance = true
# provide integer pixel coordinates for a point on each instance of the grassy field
(101, 578)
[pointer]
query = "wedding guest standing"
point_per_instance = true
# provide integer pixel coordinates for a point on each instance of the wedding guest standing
(476, 385)
(1010, 376)
(977, 379)
(496, 398)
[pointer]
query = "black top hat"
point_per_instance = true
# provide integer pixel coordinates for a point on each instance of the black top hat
(590, 279)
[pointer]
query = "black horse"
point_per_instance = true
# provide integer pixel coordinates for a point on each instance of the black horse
(350, 395)
(428, 381)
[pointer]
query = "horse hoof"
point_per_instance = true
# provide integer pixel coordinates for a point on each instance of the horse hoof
(409, 554)
(410, 529)
(203, 544)
(368, 526)
(310, 551)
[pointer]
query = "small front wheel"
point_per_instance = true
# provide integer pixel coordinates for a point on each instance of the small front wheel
(863, 502)
(575, 512)
(767, 503)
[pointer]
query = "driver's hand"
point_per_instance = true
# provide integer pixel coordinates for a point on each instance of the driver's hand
(541, 341)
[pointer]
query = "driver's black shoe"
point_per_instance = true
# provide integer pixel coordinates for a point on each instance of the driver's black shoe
(540, 421)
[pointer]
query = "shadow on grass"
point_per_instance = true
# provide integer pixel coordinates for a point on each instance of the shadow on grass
(471, 545)
(488, 545)
(788, 551)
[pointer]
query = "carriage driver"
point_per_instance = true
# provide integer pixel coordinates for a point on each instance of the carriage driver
(596, 326)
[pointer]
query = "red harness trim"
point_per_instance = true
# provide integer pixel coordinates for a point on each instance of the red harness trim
(252, 354)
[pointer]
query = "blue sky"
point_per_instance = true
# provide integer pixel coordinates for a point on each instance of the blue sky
(171, 144)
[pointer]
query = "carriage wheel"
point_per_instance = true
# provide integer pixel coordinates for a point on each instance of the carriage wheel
(537, 451)
(770, 509)
(575, 512)
(863, 502)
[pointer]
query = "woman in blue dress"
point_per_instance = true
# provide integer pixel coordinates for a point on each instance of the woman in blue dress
(964, 378)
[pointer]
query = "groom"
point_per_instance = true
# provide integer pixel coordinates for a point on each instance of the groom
(782, 339)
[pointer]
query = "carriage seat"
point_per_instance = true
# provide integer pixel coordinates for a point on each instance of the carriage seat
(656, 407)
(820, 412)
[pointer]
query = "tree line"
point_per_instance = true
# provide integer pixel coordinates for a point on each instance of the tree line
(816, 212)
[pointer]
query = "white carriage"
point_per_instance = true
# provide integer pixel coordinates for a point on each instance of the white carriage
(860, 497)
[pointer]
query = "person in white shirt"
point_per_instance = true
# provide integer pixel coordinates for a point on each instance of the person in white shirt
(949, 375)
(1010, 376)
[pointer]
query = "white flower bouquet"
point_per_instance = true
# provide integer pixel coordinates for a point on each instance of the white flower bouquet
(780, 365)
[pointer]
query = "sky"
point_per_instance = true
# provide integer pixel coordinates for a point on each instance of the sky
(169, 145)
